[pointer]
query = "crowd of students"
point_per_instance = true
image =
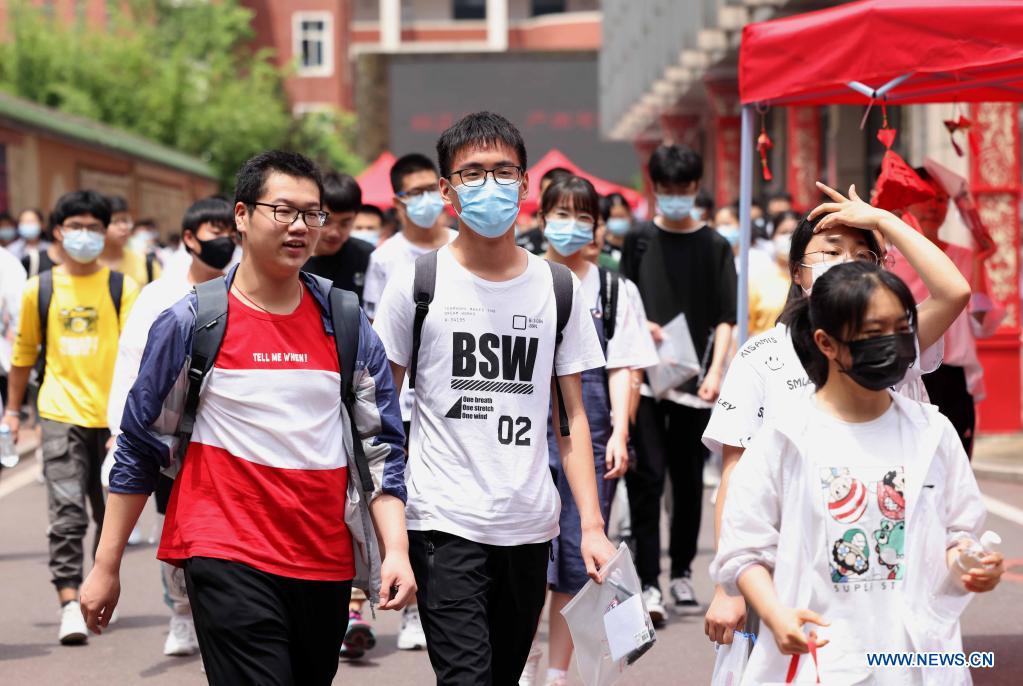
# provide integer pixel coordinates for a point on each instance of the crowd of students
(453, 449)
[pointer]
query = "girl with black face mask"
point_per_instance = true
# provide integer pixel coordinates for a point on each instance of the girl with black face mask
(844, 516)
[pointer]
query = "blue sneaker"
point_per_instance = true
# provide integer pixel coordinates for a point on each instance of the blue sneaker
(359, 637)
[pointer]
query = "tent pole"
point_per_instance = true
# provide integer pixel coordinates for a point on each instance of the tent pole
(745, 225)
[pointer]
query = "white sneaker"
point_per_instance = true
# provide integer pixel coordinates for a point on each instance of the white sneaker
(135, 537)
(528, 677)
(181, 641)
(411, 636)
(72, 625)
(683, 596)
(654, 605)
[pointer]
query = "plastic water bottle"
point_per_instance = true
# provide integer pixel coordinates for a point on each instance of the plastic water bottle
(952, 597)
(8, 451)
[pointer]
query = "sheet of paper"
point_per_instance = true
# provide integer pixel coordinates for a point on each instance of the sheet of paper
(626, 628)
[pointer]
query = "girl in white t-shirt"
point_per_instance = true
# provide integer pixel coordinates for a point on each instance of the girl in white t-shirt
(849, 509)
(766, 377)
(568, 216)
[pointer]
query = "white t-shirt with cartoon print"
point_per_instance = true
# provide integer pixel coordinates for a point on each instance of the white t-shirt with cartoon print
(477, 463)
(861, 469)
(765, 376)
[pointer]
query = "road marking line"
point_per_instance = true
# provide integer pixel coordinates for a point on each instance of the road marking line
(1003, 510)
(10, 484)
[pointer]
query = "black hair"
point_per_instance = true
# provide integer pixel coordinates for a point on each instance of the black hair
(6, 218)
(250, 182)
(674, 164)
(475, 131)
(117, 204)
(580, 191)
(780, 195)
(371, 209)
(175, 238)
(146, 223)
(341, 192)
(409, 164)
(801, 238)
(81, 202)
(611, 201)
(705, 201)
(781, 217)
(837, 306)
(555, 174)
(216, 210)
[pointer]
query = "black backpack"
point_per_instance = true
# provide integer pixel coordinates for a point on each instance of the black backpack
(115, 283)
(208, 335)
(424, 285)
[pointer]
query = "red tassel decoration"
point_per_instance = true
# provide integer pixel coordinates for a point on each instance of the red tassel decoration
(764, 144)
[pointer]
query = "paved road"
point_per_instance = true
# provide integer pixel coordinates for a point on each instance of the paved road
(130, 653)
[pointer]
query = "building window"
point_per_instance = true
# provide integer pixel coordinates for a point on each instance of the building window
(313, 43)
(540, 7)
(470, 9)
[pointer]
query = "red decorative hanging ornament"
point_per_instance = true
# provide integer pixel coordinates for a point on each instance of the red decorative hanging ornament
(958, 124)
(898, 185)
(764, 144)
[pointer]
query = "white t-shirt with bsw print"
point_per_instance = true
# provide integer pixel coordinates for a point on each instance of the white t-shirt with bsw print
(478, 445)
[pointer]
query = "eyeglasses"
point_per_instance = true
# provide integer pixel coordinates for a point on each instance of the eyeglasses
(416, 193)
(477, 176)
(858, 255)
(95, 228)
(286, 214)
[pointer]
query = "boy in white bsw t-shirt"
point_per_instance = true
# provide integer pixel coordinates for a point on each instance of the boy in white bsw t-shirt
(482, 506)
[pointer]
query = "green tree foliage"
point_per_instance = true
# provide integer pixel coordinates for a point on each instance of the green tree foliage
(181, 72)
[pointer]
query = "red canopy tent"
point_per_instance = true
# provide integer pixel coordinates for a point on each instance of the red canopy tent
(556, 158)
(874, 51)
(375, 182)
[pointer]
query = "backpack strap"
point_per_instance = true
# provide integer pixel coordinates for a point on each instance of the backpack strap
(423, 287)
(150, 257)
(115, 283)
(562, 278)
(43, 307)
(609, 284)
(207, 336)
(346, 316)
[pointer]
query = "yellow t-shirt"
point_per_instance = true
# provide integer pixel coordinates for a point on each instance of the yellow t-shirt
(767, 295)
(81, 347)
(133, 264)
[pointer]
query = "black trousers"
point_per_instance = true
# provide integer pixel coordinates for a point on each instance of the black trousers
(480, 606)
(258, 628)
(668, 438)
(947, 388)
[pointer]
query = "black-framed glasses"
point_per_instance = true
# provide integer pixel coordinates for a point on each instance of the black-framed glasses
(477, 176)
(95, 228)
(858, 255)
(417, 192)
(285, 214)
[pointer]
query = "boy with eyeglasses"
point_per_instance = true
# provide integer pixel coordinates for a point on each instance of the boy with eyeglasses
(76, 332)
(482, 506)
(263, 516)
(141, 265)
(341, 257)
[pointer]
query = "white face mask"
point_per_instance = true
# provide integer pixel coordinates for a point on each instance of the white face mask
(783, 244)
(817, 270)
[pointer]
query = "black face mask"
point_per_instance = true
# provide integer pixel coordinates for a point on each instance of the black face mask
(216, 252)
(881, 362)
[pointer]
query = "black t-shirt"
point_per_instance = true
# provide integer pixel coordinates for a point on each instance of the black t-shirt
(533, 241)
(346, 268)
(692, 273)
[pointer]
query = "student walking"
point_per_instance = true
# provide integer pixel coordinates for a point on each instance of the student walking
(71, 317)
(849, 508)
(495, 324)
(268, 521)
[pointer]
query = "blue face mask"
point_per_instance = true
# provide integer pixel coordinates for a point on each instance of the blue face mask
(676, 207)
(424, 209)
(568, 236)
(8, 234)
(489, 210)
(619, 226)
(371, 237)
(83, 246)
(730, 233)
(29, 232)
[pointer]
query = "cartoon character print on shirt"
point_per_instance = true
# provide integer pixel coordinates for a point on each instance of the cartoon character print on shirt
(79, 329)
(850, 556)
(864, 519)
(891, 495)
(774, 363)
(890, 545)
